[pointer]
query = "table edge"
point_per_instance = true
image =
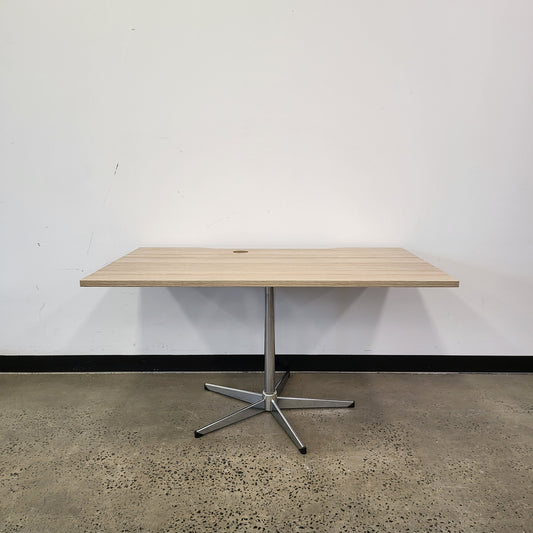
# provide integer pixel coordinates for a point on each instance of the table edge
(267, 283)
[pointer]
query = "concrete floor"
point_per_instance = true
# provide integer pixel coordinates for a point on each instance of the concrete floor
(116, 453)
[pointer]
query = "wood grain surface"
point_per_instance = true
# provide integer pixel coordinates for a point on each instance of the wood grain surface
(213, 267)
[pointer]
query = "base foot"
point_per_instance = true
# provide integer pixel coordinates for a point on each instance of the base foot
(258, 403)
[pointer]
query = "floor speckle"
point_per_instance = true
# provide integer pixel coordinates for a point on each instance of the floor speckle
(116, 453)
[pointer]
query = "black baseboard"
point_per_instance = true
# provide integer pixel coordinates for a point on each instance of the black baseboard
(250, 363)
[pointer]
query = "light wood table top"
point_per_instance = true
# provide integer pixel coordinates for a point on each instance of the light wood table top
(213, 267)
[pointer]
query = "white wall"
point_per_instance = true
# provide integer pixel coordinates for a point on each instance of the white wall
(266, 124)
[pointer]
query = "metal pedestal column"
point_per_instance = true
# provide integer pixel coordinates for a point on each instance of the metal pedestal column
(269, 400)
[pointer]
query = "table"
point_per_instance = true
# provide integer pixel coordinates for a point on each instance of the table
(269, 268)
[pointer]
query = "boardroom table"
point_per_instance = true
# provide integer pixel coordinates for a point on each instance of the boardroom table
(269, 268)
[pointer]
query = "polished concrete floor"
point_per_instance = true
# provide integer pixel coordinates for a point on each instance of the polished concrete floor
(116, 453)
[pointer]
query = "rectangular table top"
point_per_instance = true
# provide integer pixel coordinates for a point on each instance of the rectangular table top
(213, 267)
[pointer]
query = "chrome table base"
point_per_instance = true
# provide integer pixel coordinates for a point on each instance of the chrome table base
(260, 402)
(270, 399)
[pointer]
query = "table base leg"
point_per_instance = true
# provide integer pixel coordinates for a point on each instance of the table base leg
(244, 395)
(260, 402)
(270, 400)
